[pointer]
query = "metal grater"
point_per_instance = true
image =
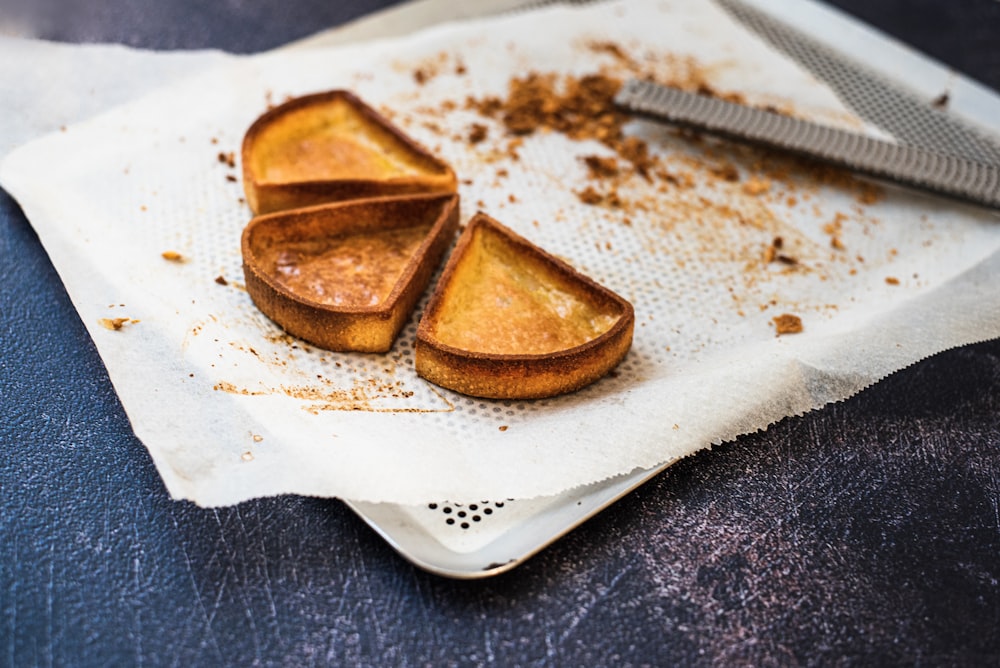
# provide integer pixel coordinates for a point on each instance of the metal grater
(877, 99)
(905, 164)
(513, 531)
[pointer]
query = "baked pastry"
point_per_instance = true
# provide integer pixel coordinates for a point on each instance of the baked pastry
(347, 275)
(332, 147)
(508, 320)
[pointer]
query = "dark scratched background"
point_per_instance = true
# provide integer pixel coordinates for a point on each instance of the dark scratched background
(867, 533)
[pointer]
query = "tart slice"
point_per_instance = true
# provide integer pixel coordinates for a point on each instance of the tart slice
(331, 147)
(510, 321)
(346, 276)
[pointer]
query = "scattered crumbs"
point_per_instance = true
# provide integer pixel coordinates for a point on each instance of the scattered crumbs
(891, 280)
(786, 323)
(504, 427)
(420, 76)
(172, 256)
(592, 197)
(115, 324)
(257, 438)
(601, 167)
(228, 159)
(512, 198)
(214, 140)
(221, 280)
(460, 68)
(247, 456)
(676, 426)
(230, 178)
(726, 172)
(756, 186)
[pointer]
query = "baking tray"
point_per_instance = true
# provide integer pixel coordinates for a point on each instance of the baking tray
(915, 99)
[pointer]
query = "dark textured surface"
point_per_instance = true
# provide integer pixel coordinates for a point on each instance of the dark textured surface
(867, 533)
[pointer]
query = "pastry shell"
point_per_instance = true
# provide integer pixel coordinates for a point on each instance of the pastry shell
(347, 276)
(331, 147)
(508, 320)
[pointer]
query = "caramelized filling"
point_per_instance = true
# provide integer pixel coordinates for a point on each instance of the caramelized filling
(509, 304)
(353, 270)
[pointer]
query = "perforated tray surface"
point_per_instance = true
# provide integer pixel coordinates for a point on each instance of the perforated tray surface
(483, 537)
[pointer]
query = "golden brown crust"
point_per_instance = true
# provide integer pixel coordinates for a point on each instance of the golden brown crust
(317, 271)
(585, 333)
(330, 147)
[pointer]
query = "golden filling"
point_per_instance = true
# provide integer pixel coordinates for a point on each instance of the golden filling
(331, 144)
(353, 270)
(502, 303)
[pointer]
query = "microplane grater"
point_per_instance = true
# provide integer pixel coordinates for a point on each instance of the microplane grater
(908, 165)
(885, 102)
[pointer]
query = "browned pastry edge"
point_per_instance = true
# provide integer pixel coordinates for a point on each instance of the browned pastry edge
(512, 376)
(358, 328)
(265, 197)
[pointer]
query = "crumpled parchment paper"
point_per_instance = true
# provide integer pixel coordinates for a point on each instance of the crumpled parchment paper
(710, 246)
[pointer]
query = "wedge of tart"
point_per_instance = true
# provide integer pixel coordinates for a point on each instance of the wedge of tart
(346, 276)
(332, 147)
(510, 321)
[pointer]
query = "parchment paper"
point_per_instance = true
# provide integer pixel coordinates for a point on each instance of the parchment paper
(709, 250)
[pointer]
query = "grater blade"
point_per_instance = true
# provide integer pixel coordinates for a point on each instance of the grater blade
(911, 166)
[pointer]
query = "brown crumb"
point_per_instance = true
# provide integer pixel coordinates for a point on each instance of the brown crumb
(589, 196)
(891, 280)
(228, 159)
(477, 133)
(504, 427)
(726, 172)
(420, 76)
(612, 49)
(114, 324)
(756, 186)
(941, 101)
(870, 193)
(601, 167)
(786, 323)
(221, 280)
(230, 178)
(592, 197)
(172, 256)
